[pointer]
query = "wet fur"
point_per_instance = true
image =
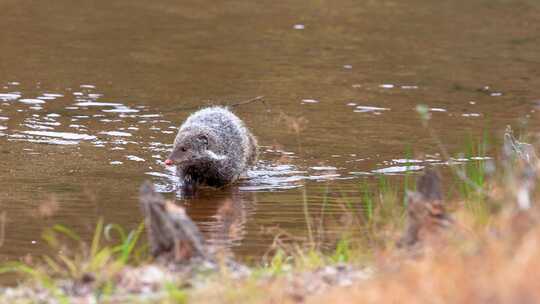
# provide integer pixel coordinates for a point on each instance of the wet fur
(219, 148)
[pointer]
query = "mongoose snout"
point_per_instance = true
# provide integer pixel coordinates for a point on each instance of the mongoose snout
(191, 147)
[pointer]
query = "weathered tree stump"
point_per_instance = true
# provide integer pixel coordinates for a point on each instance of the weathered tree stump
(519, 150)
(426, 212)
(522, 166)
(172, 235)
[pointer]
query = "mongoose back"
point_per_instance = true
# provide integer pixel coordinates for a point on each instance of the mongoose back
(213, 147)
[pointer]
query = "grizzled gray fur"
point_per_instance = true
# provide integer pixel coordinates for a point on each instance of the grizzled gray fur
(213, 147)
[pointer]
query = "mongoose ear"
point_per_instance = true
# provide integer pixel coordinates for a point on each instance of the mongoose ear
(203, 140)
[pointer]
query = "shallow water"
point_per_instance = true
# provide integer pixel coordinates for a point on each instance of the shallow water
(91, 95)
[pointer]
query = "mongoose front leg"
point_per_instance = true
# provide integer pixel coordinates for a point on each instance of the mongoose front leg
(189, 185)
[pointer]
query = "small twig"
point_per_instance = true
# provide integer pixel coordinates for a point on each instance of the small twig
(258, 98)
(307, 217)
(2, 227)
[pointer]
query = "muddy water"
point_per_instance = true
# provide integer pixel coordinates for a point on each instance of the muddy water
(91, 95)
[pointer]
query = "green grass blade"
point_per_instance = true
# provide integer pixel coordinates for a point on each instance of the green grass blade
(97, 238)
(67, 232)
(114, 228)
(130, 242)
(71, 265)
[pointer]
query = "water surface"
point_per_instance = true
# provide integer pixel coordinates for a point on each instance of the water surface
(92, 94)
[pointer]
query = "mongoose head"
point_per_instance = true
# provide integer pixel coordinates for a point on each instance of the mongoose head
(192, 148)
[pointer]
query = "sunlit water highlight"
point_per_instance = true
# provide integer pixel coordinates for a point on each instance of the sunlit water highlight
(47, 128)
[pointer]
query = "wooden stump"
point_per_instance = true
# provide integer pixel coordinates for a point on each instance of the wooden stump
(172, 235)
(425, 210)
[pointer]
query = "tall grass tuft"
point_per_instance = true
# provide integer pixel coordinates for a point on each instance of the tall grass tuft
(471, 178)
(74, 259)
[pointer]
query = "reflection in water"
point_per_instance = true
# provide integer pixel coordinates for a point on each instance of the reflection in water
(227, 227)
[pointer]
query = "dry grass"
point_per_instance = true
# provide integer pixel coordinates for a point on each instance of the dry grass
(496, 271)
(500, 264)
(479, 258)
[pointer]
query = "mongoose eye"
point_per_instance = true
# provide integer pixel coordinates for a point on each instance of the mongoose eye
(183, 149)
